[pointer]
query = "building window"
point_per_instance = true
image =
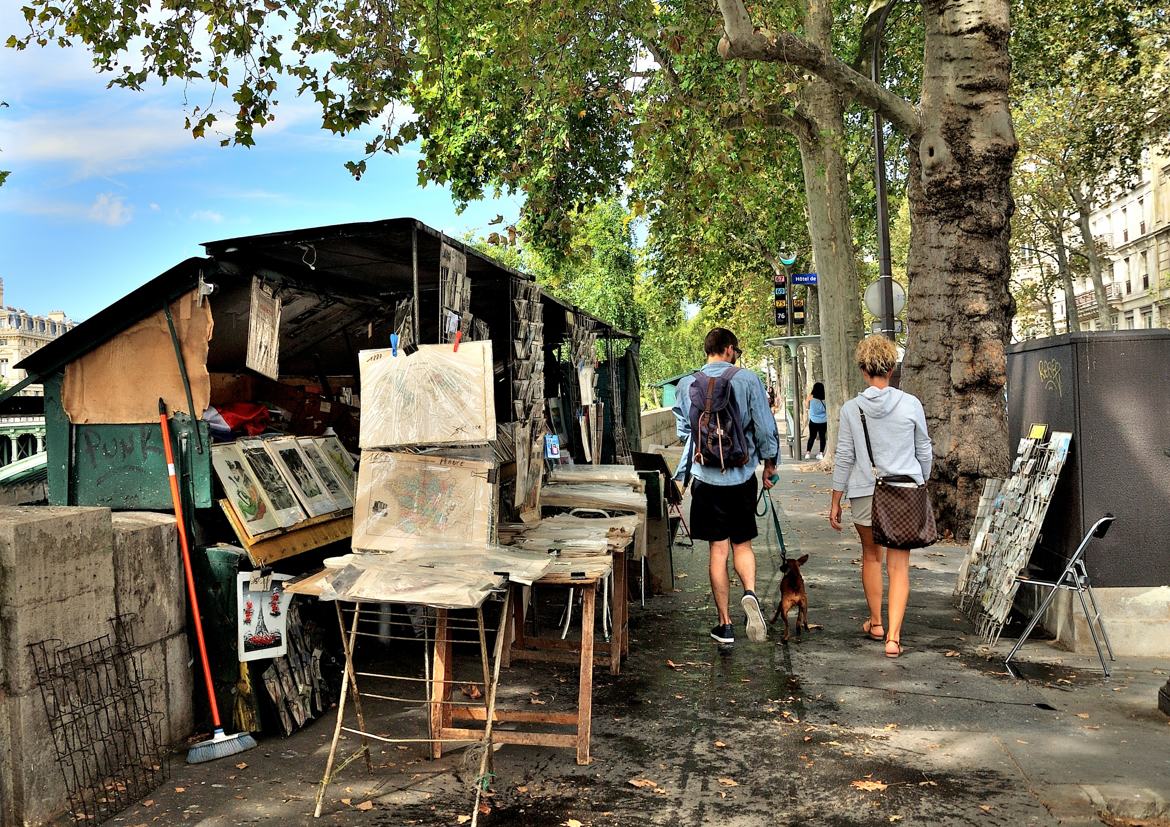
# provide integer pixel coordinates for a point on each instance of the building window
(1148, 318)
(1114, 322)
(1128, 279)
(1133, 317)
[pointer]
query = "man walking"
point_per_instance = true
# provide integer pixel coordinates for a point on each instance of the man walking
(724, 420)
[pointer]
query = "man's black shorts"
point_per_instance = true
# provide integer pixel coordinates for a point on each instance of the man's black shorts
(724, 512)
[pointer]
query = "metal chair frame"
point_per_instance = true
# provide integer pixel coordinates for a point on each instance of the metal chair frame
(1075, 578)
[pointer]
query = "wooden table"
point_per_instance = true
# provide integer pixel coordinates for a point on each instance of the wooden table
(444, 715)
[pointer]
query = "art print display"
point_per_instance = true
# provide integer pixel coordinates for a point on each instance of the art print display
(325, 472)
(407, 499)
(264, 331)
(261, 615)
(243, 491)
(340, 460)
(303, 480)
(435, 396)
(285, 509)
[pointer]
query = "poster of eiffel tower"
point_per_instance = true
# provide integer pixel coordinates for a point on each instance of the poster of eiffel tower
(261, 616)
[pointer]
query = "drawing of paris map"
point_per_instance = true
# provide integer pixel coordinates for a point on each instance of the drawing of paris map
(406, 499)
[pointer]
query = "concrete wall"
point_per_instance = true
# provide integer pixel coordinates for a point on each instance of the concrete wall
(64, 572)
(658, 428)
(1136, 619)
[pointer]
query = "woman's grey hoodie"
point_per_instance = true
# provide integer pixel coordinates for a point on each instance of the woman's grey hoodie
(897, 431)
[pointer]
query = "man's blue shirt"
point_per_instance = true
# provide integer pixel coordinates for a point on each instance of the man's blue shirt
(758, 423)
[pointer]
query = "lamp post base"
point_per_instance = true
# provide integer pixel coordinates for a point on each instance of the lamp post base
(1164, 698)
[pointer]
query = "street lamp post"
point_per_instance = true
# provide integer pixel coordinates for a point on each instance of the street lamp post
(885, 270)
(794, 369)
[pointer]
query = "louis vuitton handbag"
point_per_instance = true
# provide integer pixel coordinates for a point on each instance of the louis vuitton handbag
(903, 517)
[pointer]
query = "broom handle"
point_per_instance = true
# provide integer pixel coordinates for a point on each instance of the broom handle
(190, 576)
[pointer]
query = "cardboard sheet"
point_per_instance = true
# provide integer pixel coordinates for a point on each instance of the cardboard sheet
(120, 381)
(405, 499)
(435, 396)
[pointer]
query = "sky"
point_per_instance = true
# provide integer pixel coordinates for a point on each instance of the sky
(108, 189)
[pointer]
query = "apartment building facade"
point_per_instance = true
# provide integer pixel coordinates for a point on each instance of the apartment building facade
(21, 333)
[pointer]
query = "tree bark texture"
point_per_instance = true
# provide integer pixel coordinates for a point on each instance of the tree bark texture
(1072, 317)
(1084, 212)
(830, 228)
(960, 306)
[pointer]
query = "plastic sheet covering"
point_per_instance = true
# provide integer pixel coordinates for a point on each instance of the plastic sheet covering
(407, 499)
(611, 496)
(443, 576)
(435, 396)
(578, 534)
(582, 474)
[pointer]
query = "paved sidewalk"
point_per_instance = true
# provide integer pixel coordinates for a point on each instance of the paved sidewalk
(824, 731)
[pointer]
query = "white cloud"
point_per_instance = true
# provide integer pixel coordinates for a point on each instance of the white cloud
(207, 215)
(111, 210)
(106, 208)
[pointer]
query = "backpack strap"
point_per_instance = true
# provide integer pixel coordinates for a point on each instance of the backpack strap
(868, 447)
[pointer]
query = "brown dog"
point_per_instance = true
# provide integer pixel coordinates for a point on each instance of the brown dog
(792, 593)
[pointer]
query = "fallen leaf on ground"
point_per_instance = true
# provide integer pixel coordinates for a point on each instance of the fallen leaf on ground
(180, 789)
(521, 790)
(891, 726)
(985, 808)
(1082, 714)
(869, 786)
(366, 805)
(484, 809)
(673, 665)
(241, 766)
(728, 782)
(148, 802)
(642, 783)
(472, 691)
(572, 822)
(537, 701)
(347, 801)
(463, 819)
(951, 653)
(681, 575)
(927, 783)
(812, 627)
(720, 744)
(895, 818)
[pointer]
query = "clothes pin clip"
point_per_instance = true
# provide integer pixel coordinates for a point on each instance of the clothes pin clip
(393, 344)
(458, 337)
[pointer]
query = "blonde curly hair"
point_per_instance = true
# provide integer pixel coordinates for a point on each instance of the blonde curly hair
(876, 355)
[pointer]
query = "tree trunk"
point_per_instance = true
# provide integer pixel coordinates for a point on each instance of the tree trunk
(830, 228)
(1046, 297)
(960, 305)
(1072, 317)
(1084, 213)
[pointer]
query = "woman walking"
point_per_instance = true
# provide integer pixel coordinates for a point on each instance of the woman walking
(901, 445)
(818, 420)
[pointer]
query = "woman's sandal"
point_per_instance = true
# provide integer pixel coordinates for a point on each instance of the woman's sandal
(868, 627)
(897, 651)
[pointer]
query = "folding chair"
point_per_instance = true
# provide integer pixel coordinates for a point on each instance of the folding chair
(1074, 578)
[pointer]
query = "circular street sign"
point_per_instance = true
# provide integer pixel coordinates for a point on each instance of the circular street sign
(873, 298)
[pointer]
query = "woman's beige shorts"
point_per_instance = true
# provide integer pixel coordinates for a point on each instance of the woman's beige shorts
(862, 510)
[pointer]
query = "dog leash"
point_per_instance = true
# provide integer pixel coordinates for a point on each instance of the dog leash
(769, 506)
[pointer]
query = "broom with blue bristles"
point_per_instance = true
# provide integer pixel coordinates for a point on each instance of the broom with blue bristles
(220, 744)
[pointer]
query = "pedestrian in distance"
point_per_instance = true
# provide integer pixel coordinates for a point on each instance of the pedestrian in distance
(728, 430)
(900, 444)
(818, 419)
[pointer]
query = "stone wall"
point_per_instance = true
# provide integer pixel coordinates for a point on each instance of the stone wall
(64, 572)
(658, 429)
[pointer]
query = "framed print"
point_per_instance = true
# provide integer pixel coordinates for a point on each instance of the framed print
(285, 508)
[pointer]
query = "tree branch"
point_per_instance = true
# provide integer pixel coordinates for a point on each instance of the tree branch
(662, 58)
(742, 40)
(794, 124)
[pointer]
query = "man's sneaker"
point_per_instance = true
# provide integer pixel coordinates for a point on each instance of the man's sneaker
(820, 455)
(807, 455)
(756, 629)
(724, 633)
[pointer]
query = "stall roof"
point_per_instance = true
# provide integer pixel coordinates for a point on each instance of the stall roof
(365, 258)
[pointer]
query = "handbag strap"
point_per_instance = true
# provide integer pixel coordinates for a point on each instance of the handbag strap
(868, 447)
